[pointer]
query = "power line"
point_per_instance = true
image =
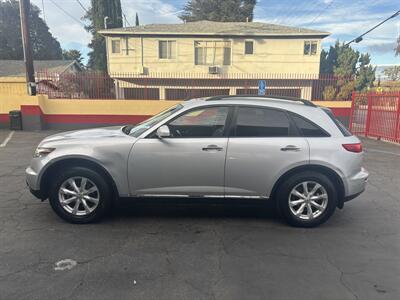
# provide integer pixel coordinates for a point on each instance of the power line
(360, 37)
(81, 5)
(294, 14)
(126, 20)
(320, 14)
(67, 13)
(44, 16)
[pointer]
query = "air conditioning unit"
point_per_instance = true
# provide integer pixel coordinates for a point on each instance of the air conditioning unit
(213, 70)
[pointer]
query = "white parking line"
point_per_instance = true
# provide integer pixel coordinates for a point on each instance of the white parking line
(382, 151)
(8, 138)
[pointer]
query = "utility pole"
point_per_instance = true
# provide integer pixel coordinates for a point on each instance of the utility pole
(24, 7)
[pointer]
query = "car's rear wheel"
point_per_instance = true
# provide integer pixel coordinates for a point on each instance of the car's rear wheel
(80, 195)
(307, 199)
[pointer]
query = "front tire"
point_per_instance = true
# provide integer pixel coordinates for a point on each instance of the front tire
(80, 195)
(307, 199)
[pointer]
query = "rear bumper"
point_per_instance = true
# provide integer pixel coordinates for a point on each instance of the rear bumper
(356, 184)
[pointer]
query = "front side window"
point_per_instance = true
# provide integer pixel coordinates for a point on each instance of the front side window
(212, 53)
(138, 129)
(261, 122)
(310, 47)
(204, 122)
(248, 47)
(115, 46)
(166, 49)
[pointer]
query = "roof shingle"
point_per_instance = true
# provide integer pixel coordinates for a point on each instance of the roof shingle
(216, 28)
(17, 67)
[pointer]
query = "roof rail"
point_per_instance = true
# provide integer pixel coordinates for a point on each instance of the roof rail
(222, 97)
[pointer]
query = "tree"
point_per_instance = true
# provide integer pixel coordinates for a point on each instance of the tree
(44, 45)
(73, 55)
(103, 13)
(218, 10)
(397, 49)
(137, 20)
(352, 69)
(392, 72)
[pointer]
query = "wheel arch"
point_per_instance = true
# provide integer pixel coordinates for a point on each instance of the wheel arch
(48, 173)
(330, 173)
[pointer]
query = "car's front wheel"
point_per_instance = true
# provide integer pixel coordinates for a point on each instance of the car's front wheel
(80, 195)
(307, 199)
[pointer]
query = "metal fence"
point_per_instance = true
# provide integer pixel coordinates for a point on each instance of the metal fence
(376, 115)
(181, 86)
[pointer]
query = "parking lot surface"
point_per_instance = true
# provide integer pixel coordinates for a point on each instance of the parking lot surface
(199, 251)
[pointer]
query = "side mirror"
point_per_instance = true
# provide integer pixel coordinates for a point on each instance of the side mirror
(163, 132)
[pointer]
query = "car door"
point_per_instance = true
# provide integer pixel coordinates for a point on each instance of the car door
(263, 144)
(190, 162)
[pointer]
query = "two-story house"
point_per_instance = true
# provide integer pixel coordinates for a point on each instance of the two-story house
(206, 49)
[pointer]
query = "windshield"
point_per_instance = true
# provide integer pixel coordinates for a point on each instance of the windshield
(138, 129)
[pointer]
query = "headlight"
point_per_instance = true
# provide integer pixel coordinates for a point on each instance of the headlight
(42, 151)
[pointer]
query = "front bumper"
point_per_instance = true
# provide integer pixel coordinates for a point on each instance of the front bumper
(356, 184)
(32, 181)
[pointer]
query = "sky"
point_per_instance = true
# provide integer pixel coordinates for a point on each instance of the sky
(344, 19)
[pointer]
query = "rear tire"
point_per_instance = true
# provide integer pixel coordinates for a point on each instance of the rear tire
(307, 199)
(80, 195)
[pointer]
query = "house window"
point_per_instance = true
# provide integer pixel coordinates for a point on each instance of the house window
(115, 46)
(212, 53)
(310, 47)
(166, 49)
(248, 47)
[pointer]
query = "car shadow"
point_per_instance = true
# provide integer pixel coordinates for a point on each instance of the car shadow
(196, 208)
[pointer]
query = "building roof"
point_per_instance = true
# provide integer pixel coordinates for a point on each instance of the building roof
(201, 28)
(17, 67)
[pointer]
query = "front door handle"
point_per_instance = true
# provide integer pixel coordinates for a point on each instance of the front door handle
(212, 148)
(290, 148)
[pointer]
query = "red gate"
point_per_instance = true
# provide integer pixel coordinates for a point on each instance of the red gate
(376, 115)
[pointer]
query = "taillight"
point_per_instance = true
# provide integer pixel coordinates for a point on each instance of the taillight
(356, 148)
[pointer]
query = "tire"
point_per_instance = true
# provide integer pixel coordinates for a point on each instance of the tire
(319, 213)
(95, 188)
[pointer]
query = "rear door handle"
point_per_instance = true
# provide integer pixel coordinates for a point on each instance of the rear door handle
(290, 148)
(212, 148)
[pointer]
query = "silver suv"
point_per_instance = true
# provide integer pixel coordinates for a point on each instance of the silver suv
(284, 149)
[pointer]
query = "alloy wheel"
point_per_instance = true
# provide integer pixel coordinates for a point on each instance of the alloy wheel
(79, 196)
(308, 200)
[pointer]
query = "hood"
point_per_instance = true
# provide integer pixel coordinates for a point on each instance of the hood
(86, 134)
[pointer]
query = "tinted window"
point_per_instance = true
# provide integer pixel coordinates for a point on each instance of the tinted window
(339, 125)
(261, 122)
(307, 128)
(205, 122)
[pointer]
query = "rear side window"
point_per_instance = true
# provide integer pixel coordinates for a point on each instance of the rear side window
(308, 128)
(339, 124)
(261, 122)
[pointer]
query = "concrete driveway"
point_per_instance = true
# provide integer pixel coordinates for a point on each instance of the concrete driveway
(199, 251)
